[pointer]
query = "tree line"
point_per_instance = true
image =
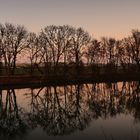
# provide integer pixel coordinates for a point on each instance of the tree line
(66, 45)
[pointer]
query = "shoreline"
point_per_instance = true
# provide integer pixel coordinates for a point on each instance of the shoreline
(27, 81)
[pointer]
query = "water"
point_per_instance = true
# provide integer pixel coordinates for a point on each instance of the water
(104, 111)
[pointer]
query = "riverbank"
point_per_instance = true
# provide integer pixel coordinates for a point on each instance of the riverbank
(25, 81)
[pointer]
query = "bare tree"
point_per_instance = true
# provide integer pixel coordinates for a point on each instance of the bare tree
(109, 43)
(122, 53)
(12, 42)
(133, 47)
(80, 40)
(33, 51)
(93, 52)
(55, 42)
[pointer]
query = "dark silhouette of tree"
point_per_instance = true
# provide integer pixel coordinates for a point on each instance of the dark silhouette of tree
(55, 43)
(122, 57)
(133, 47)
(33, 51)
(110, 49)
(80, 39)
(93, 52)
(12, 42)
(1, 56)
(65, 51)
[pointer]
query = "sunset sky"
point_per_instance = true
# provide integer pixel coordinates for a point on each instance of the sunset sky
(110, 18)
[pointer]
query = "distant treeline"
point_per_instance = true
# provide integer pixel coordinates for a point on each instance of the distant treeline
(66, 45)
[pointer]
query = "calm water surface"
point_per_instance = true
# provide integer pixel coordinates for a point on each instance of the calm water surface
(104, 111)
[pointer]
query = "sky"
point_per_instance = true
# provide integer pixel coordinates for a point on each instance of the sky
(108, 18)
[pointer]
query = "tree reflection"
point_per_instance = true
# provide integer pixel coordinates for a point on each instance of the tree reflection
(62, 110)
(11, 123)
(133, 103)
(108, 100)
(59, 110)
